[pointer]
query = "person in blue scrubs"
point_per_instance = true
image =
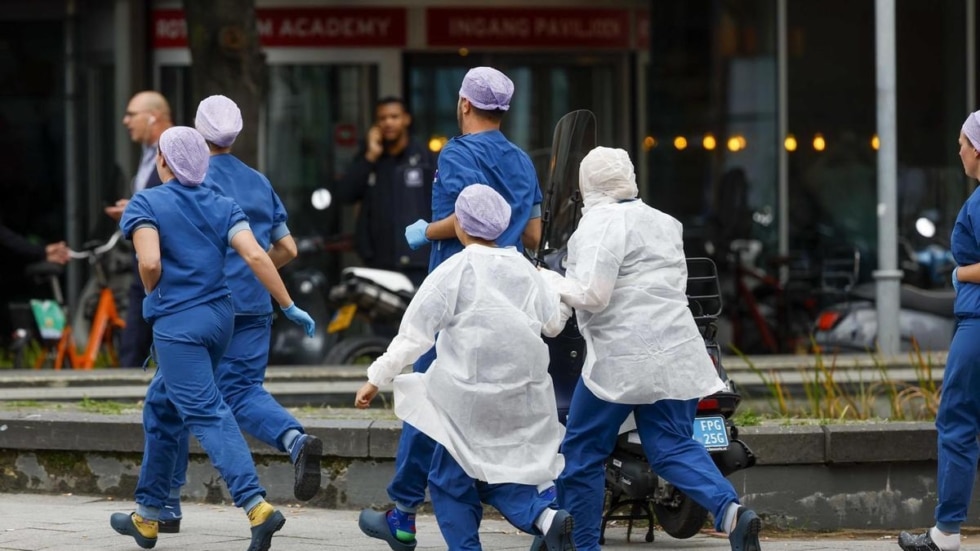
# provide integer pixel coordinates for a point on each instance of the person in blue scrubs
(241, 370)
(481, 154)
(181, 231)
(626, 276)
(958, 418)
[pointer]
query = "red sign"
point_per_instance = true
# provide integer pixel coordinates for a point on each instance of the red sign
(345, 134)
(528, 27)
(303, 27)
(642, 30)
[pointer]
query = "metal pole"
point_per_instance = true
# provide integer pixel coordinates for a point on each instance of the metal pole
(72, 192)
(971, 55)
(782, 122)
(888, 276)
(123, 87)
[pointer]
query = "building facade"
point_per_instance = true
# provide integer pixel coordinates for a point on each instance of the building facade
(697, 90)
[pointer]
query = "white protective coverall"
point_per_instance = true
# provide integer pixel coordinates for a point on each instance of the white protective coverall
(487, 398)
(626, 277)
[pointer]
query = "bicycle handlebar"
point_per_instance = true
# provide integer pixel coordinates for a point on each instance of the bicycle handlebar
(99, 250)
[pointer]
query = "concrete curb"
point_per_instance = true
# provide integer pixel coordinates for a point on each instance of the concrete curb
(814, 477)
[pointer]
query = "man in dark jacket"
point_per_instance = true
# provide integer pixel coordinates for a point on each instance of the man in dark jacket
(147, 116)
(391, 177)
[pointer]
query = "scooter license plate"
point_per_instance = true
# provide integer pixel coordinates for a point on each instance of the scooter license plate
(711, 432)
(342, 319)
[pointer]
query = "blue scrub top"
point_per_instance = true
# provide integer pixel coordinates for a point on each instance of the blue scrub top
(965, 246)
(195, 226)
(484, 158)
(251, 190)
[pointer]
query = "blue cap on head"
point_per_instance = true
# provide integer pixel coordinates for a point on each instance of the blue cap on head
(186, 153)
(487, 88)
(482, 212)
(219, 120)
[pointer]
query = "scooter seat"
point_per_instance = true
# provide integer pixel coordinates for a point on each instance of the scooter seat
(939, 302)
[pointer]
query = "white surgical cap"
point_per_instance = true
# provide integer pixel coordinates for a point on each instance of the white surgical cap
(971, 129)
(186, 154)
(487, 88)
(482, 212)
(606, 175)
(219, 120)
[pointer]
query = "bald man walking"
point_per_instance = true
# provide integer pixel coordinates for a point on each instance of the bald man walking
(147, 116)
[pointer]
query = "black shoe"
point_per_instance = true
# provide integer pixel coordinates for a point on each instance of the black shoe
(307, 467)
(169, 526)
(745, 536)
(170, 516)
(262, 533)
(922, 542)
(559, 536)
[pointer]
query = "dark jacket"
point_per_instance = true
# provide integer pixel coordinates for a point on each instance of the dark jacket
(15, 246)
(394, 192)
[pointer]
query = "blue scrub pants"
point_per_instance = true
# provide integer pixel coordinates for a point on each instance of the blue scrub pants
(667, 433)
(957, 425)
(239, 377)
(457, 501)
(189, 345)
(414, 456)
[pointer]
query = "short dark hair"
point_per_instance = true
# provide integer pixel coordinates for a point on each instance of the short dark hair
(389, 100)
(493, 115)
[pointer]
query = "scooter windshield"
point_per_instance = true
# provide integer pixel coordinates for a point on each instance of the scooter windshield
(575, 137)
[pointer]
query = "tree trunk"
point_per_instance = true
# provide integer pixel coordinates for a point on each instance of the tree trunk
(226, 59)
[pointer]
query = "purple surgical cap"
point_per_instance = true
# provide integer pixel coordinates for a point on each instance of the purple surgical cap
(219, 120)
(482, 212)
(186, 154)
(971, 129)
(487, 88)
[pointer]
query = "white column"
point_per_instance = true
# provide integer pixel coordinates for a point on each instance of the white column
(887, 276)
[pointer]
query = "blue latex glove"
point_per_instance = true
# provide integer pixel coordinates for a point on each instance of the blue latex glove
(300, 317)
(956, 282)
(415, 234)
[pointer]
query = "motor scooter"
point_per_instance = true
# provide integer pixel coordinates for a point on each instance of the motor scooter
(380, 297)
(925, 316)
(631, 484)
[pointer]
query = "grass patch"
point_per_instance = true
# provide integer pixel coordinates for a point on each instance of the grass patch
(834, 394)
(105, 407)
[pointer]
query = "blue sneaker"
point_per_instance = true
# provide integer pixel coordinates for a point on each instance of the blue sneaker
(745, 536)
(394, 527)
(170, 516)
(305, 455)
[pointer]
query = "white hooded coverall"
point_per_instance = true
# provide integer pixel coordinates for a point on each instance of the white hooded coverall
(487, 398)
(626, 276)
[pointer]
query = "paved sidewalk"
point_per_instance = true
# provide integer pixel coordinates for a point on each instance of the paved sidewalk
(45, 522)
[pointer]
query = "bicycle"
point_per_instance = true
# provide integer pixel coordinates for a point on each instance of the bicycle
(773, 315)
(100, 347)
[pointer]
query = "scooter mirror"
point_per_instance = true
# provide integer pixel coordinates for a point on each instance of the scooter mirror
(925, 227)
(321, 198)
